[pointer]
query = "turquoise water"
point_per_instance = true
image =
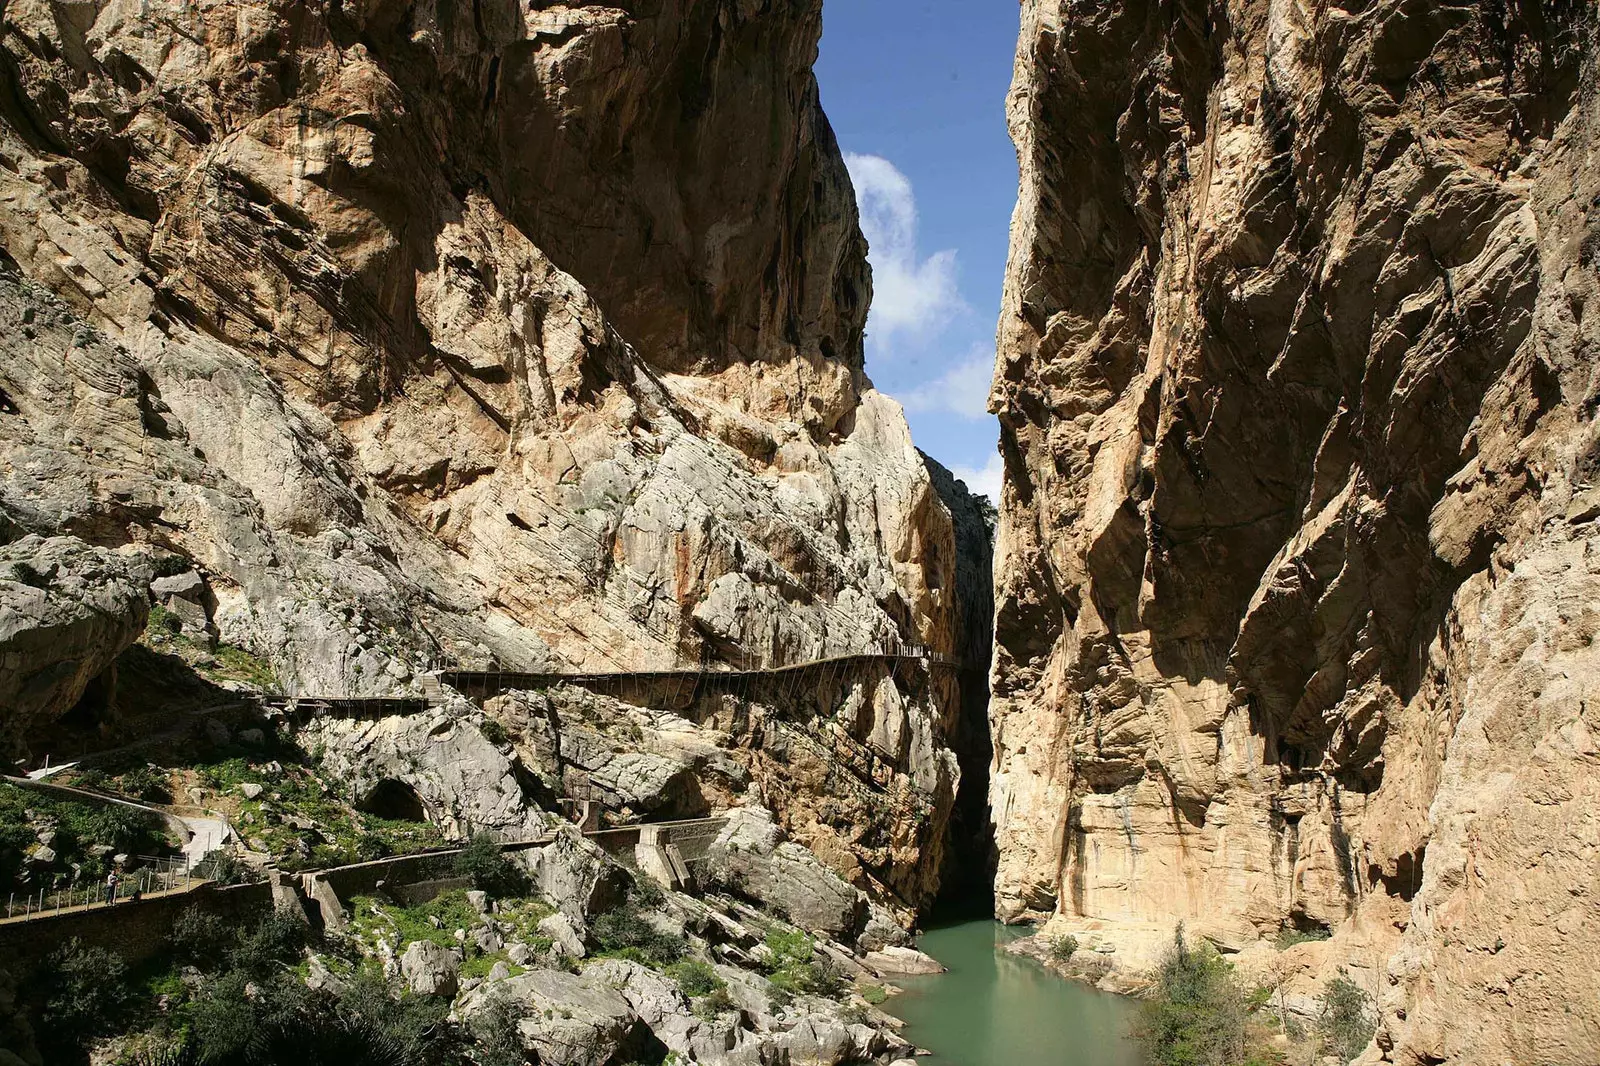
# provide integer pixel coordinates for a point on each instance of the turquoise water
(994, 1009)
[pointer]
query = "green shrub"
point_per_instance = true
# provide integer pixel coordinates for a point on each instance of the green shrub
(222, 867)
(269, 947)
(199, 938)
(146, 783)
(1062, 948)
(717, 1001)
(493, 732)
(86, 992)
(794, 969)
(876, 995)
(1347, 1021)
(482, 862)
(624, 933)
(645, 893)
(696, 978)
(1194, 1015)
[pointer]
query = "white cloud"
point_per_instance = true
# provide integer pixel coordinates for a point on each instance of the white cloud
(963, 390)
(985, 482)
(910, 295)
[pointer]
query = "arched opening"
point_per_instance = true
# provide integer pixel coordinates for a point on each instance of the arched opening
(394, 800)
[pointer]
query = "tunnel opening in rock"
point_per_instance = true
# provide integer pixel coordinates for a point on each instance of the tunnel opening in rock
(394, 800)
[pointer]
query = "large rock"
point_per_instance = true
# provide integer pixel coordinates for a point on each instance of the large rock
(430, 969)
(1297, 392)
(66, 610)
(751, 858)
(437, 766)
(568, 1019)
(577, 877)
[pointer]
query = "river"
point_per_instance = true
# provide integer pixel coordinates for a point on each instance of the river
(995, 1009)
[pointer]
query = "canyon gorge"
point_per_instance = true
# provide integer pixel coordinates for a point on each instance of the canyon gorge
(506, 361)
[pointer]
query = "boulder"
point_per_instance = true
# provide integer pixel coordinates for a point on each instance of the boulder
(750, 858)
(575, 875)
(430, 969)
(563, 937)
(436, 765)
(568, 1019)
(897, 961)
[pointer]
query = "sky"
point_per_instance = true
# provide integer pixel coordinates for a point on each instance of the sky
(916, 90)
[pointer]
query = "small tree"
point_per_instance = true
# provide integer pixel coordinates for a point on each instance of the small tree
(1194, 1015)
(483, 863)
(86, 992)
(1347, 1021)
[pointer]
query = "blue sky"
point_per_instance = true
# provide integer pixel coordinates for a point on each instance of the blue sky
(915, 90)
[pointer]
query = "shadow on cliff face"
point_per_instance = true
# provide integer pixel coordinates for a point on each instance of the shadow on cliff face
(966, 882)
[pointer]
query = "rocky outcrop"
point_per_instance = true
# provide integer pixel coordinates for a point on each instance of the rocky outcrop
(437, 767)
(1296, 386)
(528, 339)
(66, 610)
(750, 858)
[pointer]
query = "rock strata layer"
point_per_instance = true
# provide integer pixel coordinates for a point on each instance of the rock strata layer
(1297, 387)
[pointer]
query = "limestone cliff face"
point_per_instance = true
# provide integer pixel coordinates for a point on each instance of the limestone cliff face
(437, 333)
(1296, 561)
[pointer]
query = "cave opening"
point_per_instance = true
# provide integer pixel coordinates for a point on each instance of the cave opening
(395, 801)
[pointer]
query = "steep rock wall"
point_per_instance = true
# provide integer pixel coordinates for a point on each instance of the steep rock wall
(466, 334)
(1296, 383)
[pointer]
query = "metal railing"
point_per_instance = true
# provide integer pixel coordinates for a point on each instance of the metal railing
(151, 875)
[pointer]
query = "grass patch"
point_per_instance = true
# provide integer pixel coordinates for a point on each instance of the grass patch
(794, 969)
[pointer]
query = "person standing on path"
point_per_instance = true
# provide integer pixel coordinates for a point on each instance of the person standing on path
(111, 888)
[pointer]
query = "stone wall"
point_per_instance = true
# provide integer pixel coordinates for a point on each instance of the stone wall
(136, 931)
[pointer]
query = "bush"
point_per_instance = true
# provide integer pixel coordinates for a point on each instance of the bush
(199, 938)
(268, 948)
(1194, 1015)
(876, 995)
(86, 992)
(412, 1024)
(624, 933)
(696, 978)
(486, 866)
(221, 867)
(147, 783)
(1062, 948)
(1347, 1021)
(1289, 936)
(794, 969)
(717, 1001)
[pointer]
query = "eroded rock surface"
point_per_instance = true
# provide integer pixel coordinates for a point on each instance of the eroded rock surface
(66, 610)
(529, 339)
(1297, 386)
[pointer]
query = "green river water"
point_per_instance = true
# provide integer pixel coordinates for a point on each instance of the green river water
(995, 1009)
